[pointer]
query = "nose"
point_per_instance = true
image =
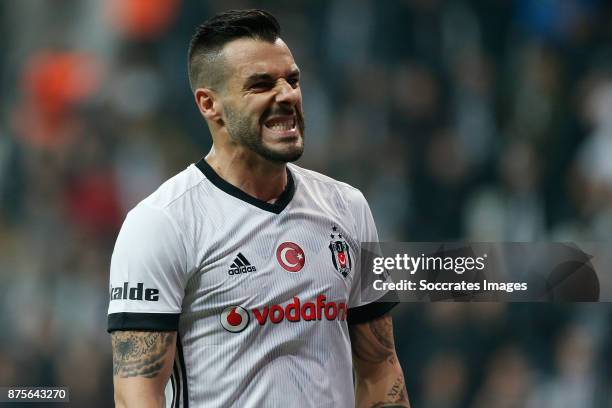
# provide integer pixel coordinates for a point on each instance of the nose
(287, 93)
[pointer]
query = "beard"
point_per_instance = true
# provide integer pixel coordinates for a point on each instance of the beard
(247, 132)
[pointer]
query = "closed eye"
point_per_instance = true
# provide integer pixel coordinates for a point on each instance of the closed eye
(262, 86)
(293, 81)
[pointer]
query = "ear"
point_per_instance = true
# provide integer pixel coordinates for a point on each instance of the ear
(209, 104)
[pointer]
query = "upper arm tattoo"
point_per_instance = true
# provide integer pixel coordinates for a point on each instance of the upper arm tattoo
(140, 354)
(373, 341)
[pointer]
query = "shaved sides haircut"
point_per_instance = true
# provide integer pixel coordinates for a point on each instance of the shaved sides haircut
(206, 64)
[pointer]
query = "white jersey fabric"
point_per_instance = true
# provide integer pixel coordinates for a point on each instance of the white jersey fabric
(261, 294)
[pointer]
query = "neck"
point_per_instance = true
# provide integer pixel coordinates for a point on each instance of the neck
(249, 172)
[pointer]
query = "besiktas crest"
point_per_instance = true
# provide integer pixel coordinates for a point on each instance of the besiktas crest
(340, 252)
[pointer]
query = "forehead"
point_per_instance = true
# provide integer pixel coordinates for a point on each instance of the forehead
(247, 56)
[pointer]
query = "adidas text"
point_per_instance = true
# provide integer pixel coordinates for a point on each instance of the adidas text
(242, 269)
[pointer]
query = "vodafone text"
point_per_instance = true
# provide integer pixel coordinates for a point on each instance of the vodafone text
(296, 311)
(236, 318)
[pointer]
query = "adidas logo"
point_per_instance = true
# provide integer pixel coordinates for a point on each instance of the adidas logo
(240, 265)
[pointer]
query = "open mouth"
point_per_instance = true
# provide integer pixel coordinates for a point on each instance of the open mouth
(281, 124)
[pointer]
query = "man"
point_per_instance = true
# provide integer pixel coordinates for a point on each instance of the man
(237, 283)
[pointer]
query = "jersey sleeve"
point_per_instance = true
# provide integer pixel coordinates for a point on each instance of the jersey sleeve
(148, 273)
(361, 309)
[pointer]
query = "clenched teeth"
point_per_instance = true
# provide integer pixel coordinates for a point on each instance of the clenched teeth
(281, 124)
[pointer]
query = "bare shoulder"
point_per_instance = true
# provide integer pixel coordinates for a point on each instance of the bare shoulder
(141, 353)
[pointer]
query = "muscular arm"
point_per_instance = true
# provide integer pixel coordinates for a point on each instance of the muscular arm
(378, 375)
(142, 363)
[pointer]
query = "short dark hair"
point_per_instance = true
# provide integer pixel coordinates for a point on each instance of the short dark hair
(205, 63)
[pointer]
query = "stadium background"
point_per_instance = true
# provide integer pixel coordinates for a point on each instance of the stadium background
(476, 120)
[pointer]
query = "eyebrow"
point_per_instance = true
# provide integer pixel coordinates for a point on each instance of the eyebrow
(264, 76)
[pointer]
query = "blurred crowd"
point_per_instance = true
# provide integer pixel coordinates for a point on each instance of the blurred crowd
(483, 120)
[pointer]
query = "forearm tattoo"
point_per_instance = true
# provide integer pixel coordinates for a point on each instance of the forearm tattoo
(140, 354)
(373, 343)
(396, 397)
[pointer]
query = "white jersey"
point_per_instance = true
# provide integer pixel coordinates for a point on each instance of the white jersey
(261, 294)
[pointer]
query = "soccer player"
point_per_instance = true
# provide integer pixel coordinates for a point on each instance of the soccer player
(236, 283)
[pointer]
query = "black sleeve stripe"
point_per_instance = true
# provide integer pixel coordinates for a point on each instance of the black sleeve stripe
(181, 359)
(371, 311)
(174, 385)
(143, 321)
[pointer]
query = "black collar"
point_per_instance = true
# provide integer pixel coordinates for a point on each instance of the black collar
(276, 208)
